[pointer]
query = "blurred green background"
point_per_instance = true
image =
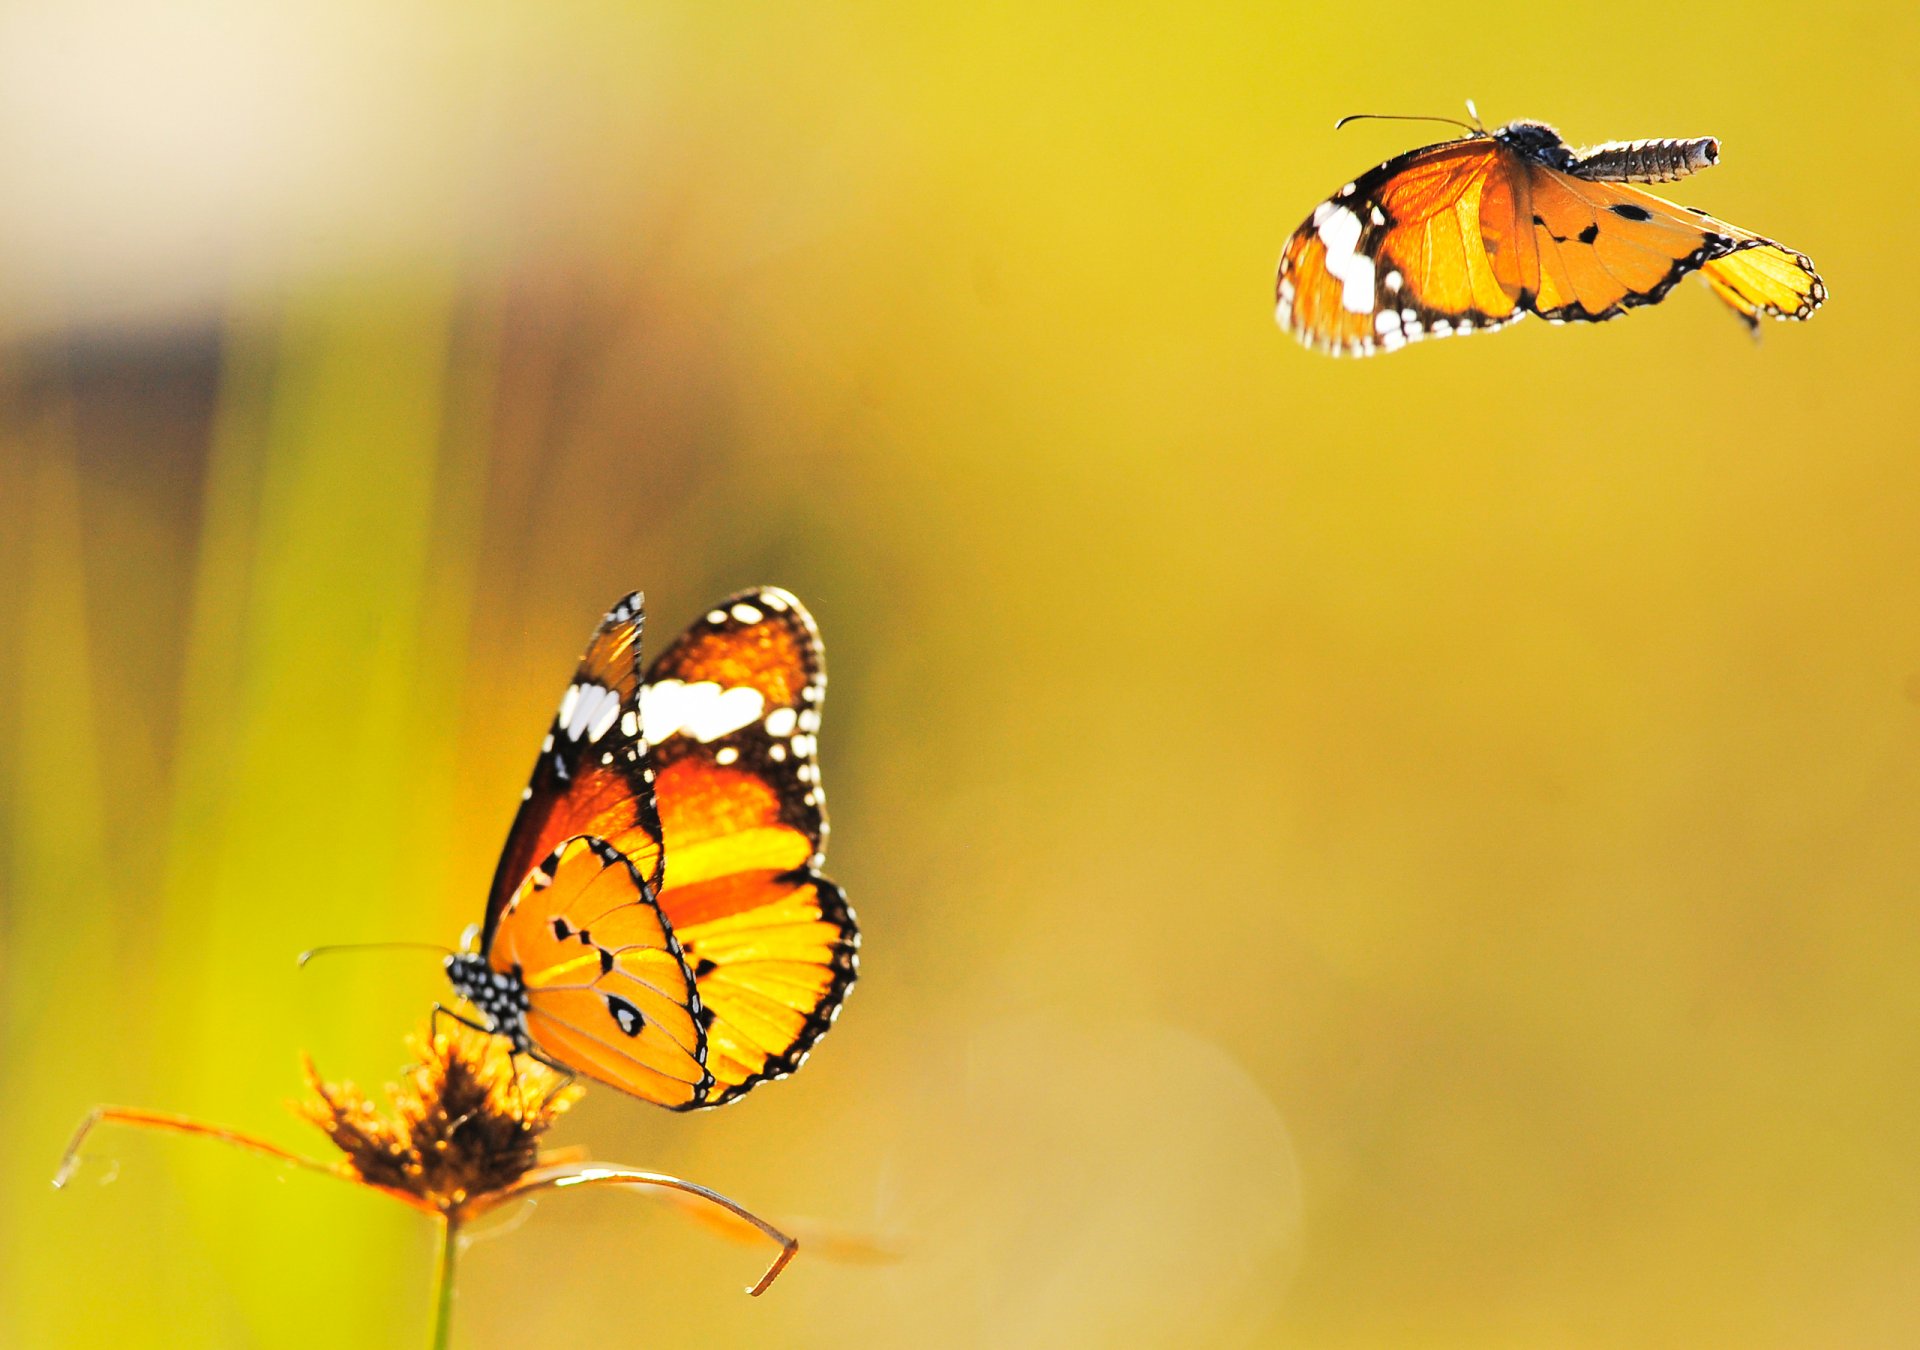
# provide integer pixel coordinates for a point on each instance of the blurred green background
(1419, 852)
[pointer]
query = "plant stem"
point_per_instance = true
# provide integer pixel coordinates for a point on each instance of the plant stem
(443, 1294)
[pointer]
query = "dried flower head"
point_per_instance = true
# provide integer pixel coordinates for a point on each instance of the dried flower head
(464, 1124)
(461, 1137)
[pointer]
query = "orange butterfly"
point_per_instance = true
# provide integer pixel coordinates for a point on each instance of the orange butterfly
(658, 919)
(1477, 232)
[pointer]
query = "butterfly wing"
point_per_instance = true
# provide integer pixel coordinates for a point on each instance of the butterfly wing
(593, 776)
(1424, 245)
(1606, 247)
(733, 713)
(1472, 234)
(608, 989)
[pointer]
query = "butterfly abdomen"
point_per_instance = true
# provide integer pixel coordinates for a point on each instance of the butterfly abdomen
(1645, 161)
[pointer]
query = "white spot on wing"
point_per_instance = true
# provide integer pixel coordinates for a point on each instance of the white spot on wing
(746, 613)
(703, 711)
(726, 755)
(1340, 233)
(604, 719)
(780, 722)
(588, 708)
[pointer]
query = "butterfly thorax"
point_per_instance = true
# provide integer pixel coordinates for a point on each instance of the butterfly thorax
(1537, 141)
(500, 996)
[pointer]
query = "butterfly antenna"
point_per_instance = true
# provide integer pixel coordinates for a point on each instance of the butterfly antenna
(1474, 113)
(1408, 117)
(336, 947)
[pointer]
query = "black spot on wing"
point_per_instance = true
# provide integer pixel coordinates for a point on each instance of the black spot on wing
(625, 1015)
(1591, 233)
(1629, 211)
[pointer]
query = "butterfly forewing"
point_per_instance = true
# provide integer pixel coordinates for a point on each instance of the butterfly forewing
(608, 988)
(592, 776)
(741, 689)
(1396, 255)
(732, 709)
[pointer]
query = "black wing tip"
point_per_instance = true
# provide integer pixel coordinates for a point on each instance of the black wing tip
(782, 605)
(768, 600)
(629, 608)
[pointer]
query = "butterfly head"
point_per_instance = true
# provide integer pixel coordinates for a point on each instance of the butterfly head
(1537, 140)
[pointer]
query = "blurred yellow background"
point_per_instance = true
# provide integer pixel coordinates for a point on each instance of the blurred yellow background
(1419, 852)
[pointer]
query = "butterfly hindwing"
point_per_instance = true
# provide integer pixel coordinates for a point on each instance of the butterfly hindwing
(593, 776)
(607, 987)
(732, 710)
(1765, 278)
(1607, 247)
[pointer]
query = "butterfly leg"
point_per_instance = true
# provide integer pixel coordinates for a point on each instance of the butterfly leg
(441, 1010)
(519, 1088)
(567, 1080)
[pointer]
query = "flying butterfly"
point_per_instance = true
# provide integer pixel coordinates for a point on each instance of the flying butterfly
(658, 919)
(1477, 232)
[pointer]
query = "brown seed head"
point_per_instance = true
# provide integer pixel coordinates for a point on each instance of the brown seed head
(464, 1123)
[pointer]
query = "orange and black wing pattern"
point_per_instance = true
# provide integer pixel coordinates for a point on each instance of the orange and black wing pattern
(606, 984)
(1402, 252)
(732, 713)
(593, 776)
(1607, 247)
(1475, 233)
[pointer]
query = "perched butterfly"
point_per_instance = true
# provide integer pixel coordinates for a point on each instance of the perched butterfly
(1477, 232)
(658, 919)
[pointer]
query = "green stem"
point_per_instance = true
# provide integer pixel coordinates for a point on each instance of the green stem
(443, 1295)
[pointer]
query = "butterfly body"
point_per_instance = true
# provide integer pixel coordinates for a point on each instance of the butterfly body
(500, 996)
(1476, 233)
(658, 920)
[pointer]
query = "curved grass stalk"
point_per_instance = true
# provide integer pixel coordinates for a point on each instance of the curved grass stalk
(163, 1120)
(599, 1174)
